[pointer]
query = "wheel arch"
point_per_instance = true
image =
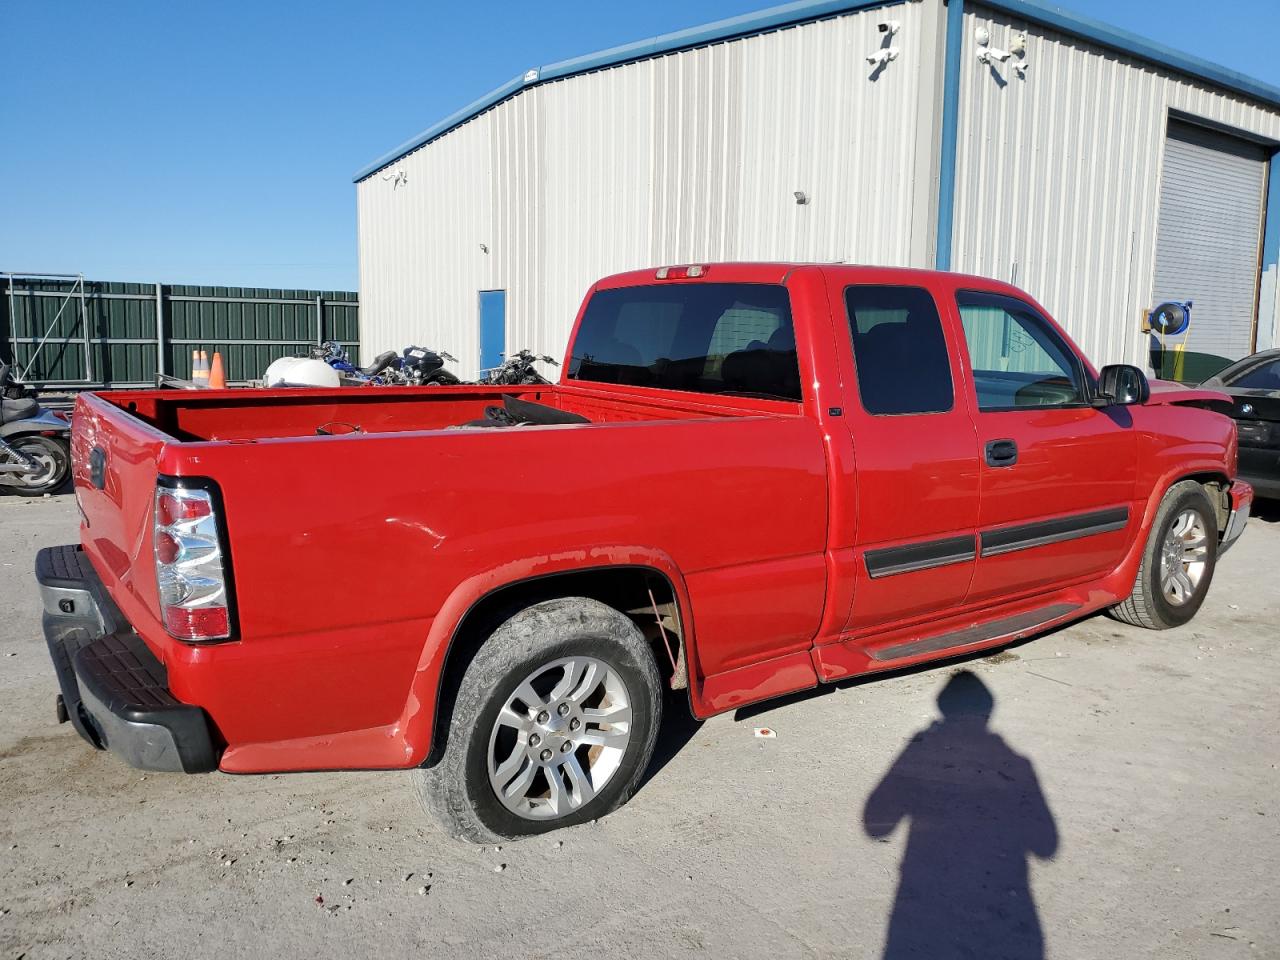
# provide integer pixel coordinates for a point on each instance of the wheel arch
(1211, 475)
(1217, 485)
(476, 609)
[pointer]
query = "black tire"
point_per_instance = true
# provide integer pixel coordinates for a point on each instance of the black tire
(1147, 606)
(457, 792)
(47, 450)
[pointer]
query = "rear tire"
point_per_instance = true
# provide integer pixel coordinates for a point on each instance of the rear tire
(1178, 561)
(53, 466)
(564, 689)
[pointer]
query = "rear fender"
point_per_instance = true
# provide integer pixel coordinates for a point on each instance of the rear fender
(417, 721)
(42, 422)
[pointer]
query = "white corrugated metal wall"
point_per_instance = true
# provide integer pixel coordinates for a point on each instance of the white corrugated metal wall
(696, 155)
(691, 156)
(1058, 175)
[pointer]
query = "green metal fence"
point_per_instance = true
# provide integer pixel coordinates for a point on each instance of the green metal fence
(65, 331)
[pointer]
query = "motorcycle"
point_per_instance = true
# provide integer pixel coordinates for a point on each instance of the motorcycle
(35, 443)
(420, 367)
(332, 353)
(518, 369)
(415, 367)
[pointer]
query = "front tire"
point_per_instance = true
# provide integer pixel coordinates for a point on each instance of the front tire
(53, 466)
(1177, 562)
(553, 725)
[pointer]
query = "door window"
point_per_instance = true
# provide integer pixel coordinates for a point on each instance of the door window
(1018, 359)
(899, 350)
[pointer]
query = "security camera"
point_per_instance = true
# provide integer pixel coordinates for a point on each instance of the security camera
(889, 26)
(883, 56)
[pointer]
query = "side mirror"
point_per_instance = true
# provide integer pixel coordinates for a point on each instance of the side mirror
(1121, 385)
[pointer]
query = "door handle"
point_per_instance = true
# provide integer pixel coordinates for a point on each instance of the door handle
(1001, 453)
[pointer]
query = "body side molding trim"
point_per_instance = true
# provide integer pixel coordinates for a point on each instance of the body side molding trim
(887, 561)
(1043, 532)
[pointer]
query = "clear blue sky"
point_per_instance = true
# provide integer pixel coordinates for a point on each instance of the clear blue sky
(215, 142)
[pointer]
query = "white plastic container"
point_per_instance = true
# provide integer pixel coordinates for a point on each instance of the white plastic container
(300, 372)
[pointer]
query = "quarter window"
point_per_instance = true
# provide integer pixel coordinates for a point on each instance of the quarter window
(899, 350)
(1018, 359)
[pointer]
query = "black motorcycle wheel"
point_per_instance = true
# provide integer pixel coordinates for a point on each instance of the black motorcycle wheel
(53, 466)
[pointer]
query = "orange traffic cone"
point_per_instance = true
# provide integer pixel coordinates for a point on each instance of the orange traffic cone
(217, 376)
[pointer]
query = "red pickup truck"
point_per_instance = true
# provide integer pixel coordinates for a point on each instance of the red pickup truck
(750, 479)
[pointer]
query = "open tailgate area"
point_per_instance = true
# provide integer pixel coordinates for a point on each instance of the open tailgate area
(115, 460)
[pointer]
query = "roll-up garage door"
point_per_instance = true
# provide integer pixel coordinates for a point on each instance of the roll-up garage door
(1208, 240)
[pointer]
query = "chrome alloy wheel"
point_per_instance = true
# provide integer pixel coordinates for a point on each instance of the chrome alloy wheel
(559, 738)
(46, 468)
(1182, 557)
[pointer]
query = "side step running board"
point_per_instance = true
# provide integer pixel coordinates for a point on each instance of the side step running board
(1019, 623)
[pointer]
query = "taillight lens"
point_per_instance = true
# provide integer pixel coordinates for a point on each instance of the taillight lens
(190, 568)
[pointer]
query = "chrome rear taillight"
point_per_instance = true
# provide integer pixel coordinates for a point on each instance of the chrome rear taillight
(191, 572)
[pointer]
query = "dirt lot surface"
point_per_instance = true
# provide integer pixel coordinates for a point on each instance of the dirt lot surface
(1123, 801)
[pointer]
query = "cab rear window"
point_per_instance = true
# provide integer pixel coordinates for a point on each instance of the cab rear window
(734, 339)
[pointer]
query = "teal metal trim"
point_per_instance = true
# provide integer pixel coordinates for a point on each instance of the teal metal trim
(471, 110)
(950, 134)
(1269, 336)
(803, 11)
(763, 21)
(1122, 41)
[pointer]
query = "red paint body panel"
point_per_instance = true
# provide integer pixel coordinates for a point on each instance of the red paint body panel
(758, 512)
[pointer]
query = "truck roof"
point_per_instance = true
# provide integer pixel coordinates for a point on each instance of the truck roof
(777, 271)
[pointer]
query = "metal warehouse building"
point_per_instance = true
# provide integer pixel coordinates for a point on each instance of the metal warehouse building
(1099, 171)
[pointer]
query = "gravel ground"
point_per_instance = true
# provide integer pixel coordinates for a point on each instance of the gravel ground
(1123, 802)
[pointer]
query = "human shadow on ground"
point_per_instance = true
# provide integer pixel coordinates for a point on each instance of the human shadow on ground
(975, 814)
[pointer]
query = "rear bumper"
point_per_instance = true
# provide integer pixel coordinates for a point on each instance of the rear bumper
(1241, 502)
(114, 690)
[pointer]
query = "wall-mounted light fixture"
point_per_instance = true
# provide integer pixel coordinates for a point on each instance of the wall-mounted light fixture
(887, 53)
(801, 197)
(990, 55)
(397, 177)
(484, 248)
(1019, 49)
(883, 56)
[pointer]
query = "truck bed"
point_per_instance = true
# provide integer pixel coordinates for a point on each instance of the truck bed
(189, 416)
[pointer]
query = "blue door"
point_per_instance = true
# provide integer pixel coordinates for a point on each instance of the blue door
(493, 328)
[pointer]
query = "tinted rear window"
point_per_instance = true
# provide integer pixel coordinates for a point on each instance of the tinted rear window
(899, 350)
(726, 338)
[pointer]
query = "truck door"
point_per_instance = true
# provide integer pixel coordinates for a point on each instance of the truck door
(915, 453)
(1058, 474)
